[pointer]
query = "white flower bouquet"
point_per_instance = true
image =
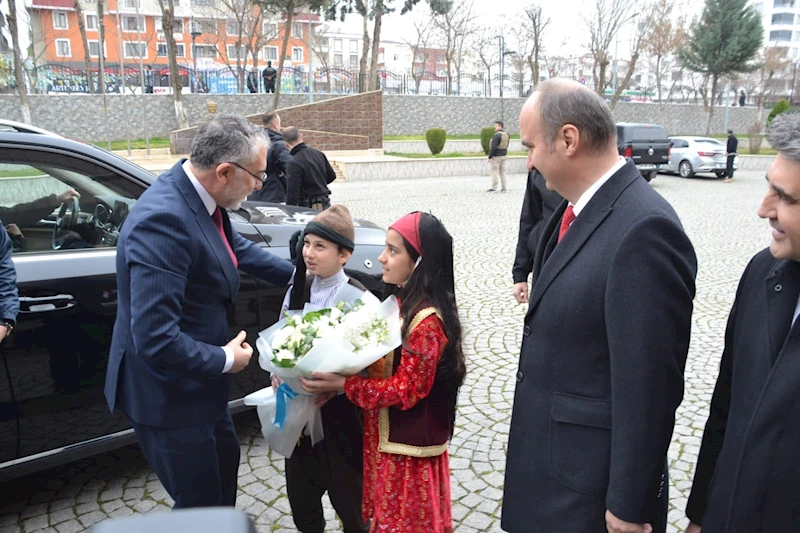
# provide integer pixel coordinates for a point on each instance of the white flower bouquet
(345, 338)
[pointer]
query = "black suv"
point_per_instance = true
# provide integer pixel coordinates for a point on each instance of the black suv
(647, 145)
(52, 408)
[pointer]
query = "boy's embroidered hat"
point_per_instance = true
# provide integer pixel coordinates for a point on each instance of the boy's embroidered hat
(335, 224)
(408, 227)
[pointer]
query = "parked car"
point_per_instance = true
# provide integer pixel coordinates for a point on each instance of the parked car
(646, 145)
(52, 408)
(693, 155)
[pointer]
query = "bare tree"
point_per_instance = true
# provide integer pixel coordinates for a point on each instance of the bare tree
(101, 43)
(485, 45)
(167, 22)
(87, 58)
(662, 45)
(454, 25)
(521, 52)
(420, 45)
(640, 36)
(320, 44)
(538, 23)
(603, 24)
(772, 62)
(19, 75)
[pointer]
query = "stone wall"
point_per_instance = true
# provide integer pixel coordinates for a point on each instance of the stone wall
(352, 122)
(450, 147)
(82, 117)
(455, 167)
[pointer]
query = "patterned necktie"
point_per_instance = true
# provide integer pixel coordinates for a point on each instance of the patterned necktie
(217, 218)
(566, 220)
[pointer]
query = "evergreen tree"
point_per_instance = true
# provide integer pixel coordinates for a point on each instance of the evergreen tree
(723, 42)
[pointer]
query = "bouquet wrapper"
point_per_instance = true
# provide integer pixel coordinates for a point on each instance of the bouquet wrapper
(282, 428)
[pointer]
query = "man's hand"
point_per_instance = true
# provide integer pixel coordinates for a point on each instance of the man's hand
(67, 195)
(615, 525)
(521, 292)
(692, 528)
(13, 230)
(3, 332)
(241, 352)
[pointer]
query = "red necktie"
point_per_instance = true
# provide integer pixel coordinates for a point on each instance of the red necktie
(566, 220)
(217, 218)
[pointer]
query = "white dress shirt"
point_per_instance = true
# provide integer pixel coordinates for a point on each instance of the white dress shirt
(591, 191)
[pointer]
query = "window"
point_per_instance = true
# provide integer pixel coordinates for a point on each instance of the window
(91, 22)
(780, 35)
(207, 26)
(236, 52)
(337, 60)
(203, 3)
(783, 18)
(177, 25)
(232, 27)
(396, 57)
(677, 75)
(135, 50)
(783, 3)
(132, 4)
(297, 54)
(353, 60)
(297, 29)
(270, 53)
(323, 43)
(94, 48)
(161, 50)
(353, 47)
(205, 50)
(62, 48)
(60, 20)
(337, 45)
(133, 24)
(270, 30)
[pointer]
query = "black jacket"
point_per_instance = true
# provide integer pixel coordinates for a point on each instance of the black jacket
(601, 367)
(537, 208)
(309, 176)
(278, 158)
(748, 471)
(9, 302)
(269, 75)
(733, 144)
(497, 138)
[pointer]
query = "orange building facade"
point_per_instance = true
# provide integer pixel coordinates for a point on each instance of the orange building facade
(134, 34)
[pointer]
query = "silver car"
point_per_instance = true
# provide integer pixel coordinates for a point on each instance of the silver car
(692, 155)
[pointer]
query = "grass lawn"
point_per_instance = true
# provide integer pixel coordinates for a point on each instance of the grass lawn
(446, 156)
(459, 137)
(20, 173)
(136, 144)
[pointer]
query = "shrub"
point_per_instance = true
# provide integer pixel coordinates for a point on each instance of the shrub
(436, 138)
(781, 107)
(486, 138)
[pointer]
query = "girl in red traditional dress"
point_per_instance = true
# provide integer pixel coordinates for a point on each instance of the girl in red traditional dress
(409, 398)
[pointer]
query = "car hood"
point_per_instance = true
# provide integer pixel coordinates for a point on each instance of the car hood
(277, 223)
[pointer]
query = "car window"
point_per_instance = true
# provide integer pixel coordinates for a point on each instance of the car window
(647, 134)
(40, 213)
(708, 141)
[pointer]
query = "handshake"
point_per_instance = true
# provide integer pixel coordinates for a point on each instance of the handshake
(242, 352)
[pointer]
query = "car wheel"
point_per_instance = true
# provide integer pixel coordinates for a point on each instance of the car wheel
(685, 169)
(649, 176)
(721, 173)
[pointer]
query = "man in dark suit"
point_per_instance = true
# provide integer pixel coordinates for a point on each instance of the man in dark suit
(171, 359)
(278, 159)
(310, 173)
(537, 208)
(606, 333)
(730, 154)
(748, 471)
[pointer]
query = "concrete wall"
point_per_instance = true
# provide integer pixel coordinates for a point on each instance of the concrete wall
(82, 116)
(450, 147)
(426, 168)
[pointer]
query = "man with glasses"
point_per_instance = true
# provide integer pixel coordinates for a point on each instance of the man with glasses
(171, 356)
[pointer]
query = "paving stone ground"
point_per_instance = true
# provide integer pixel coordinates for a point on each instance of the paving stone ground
(722, 223)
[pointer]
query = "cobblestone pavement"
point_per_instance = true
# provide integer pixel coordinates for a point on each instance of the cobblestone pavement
(722, 222)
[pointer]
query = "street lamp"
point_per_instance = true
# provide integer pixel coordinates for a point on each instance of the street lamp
(503, 54)
(195, 33)
(794, 80)
(616, 47)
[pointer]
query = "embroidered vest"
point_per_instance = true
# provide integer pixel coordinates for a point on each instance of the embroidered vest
(425, 429)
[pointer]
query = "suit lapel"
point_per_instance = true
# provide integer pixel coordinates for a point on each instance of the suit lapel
(207, 227)
(782, 290)
(551, 258)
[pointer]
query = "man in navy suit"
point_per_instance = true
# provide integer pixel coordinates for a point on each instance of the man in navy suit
(606, 333)
(170, 358)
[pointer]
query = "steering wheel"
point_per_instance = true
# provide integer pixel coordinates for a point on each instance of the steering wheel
(67, 220)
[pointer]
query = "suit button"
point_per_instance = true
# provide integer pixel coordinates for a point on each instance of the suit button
(520, 376)
(526, 331)
(778, 287)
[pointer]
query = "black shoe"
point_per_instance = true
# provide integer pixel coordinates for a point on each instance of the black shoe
(491, 190)
(502, 190)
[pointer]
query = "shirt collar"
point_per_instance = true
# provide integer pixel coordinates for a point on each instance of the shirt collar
(591, 191)
(208, 201)
(336, 279)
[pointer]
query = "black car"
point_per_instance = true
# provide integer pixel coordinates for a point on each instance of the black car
(647, 145)
(52, 408)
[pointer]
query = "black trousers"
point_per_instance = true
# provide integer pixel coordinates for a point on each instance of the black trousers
(729, 167)
(334, 465)
(197, 465)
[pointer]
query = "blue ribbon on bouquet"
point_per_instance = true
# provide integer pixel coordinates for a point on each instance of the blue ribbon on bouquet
(284, 392)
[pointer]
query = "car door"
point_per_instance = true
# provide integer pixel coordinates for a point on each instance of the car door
(65, 261)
